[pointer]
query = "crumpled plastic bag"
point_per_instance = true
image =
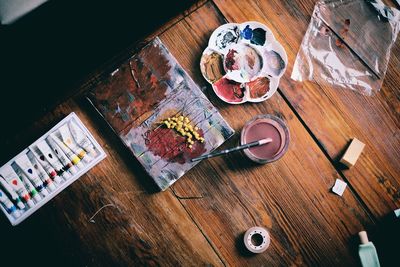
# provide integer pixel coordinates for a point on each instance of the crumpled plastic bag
(348, 44)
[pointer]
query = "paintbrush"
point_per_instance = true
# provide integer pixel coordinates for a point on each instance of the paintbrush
(227, 151)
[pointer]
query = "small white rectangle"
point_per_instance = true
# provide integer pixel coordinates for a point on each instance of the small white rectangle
(339, 187)
(100, 156)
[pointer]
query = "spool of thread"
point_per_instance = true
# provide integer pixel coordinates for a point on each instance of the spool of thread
(257, 239)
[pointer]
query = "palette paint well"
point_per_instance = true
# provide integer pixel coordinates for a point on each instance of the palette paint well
(243, 62)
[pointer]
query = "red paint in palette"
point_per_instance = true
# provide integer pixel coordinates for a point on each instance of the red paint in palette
(230, 61)
(229, 90)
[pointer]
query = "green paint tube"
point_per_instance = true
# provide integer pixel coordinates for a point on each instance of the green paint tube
(367, 252)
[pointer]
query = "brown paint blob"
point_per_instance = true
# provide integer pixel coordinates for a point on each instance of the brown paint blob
(259, 87)
(212, 67)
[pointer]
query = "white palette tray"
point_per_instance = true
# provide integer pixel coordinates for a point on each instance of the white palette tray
(100, 156)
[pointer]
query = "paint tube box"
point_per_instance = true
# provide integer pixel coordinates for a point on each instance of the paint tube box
(100, 155)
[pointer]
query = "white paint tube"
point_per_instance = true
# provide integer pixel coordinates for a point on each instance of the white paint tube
(68, 166)
(28, 185)
(11, 192)
(41, 172)
(81, 139)
(46, 165)
(68, 152)
(52, 159)
(8, 205)
(69, 142)
(15, 183)
(25, 165)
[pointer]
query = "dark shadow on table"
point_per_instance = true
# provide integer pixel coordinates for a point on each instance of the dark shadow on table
(45, 55)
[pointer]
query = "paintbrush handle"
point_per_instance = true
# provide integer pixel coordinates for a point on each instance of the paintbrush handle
(230, 150)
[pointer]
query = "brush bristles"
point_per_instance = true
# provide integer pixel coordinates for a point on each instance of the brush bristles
(265, 141)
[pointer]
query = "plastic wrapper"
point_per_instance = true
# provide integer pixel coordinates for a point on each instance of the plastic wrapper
(348, 44)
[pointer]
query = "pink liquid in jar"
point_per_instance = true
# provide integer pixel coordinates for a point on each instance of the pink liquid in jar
(261, 127)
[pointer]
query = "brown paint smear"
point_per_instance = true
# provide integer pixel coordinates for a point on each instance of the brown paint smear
(212, 67)
(171, 146)
(343, 33)
(259, 87)
(134, 89)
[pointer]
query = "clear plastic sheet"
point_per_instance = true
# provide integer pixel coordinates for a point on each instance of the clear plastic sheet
(348, 44)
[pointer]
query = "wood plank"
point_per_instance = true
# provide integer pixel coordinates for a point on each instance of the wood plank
(16, 139)
(139, 229)
(227, 195)
(335, 116)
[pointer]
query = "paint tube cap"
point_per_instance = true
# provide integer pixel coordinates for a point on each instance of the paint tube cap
(363, 237)
(16, 214)
(66, 175)
(87, 158)
(10, 208)
(37, 197)
(51, 187)
(72, 170)
(80, 165)
(92, 153)
(30, 203)
(57, 179)
(44, 192)
(21, 205)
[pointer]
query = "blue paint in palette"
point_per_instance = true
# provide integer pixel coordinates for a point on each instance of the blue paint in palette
(247, 33)
(256, 36)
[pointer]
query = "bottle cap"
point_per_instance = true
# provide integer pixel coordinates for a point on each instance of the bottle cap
(397, 213)
(363, 237)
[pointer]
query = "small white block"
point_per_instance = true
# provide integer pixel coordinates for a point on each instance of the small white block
(352, 153)
(339, 187)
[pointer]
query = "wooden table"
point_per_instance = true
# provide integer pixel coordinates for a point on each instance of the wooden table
(201, 219)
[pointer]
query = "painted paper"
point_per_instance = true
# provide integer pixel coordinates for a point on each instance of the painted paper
(149, 88)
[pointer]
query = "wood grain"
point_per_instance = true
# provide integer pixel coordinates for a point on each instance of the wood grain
(227, 195)
(18, 138)
(202, 218)
(335, 116)
(138, 228)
